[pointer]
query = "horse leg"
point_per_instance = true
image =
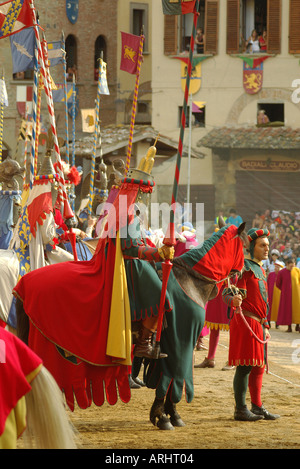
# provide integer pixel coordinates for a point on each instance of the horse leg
(170, 409)
(158, 416)
(22, 322)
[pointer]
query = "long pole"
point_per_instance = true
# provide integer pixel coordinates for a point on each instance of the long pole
(170, 235)
(92, 177)
(188, 195)
(134, 103)
(73, 137)
(34, 113)
(66, 100)
(2, 116)
(38, 122)
(62, 195)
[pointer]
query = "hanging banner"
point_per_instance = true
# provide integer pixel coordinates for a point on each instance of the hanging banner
(253, 73)
(72, 7)
(252, 78)
(196, 77)
(88, 120)
(24, 100)
(178, 7)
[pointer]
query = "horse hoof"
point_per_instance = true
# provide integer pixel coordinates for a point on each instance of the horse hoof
(177, 421)
(164, 423)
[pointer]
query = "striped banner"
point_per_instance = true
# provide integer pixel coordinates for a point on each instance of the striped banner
(134, 104)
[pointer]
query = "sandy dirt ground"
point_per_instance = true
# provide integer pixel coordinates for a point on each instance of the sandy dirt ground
(209, 418)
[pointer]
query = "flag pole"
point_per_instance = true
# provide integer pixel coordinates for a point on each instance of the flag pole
(38, 121)
(188, 195)
(73, 136)
(2, 116)
(134, 103)
(25, 148)
(62, 195)
(169, 239)
(92, 177)
(34, 111)
(66, 100)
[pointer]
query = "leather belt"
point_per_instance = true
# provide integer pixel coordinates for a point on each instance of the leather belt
(253, 316)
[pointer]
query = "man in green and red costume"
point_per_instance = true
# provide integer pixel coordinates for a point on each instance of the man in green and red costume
(144, 285)
(247, 348)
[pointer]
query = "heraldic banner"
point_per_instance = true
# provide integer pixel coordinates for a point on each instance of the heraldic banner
(130, 52)
(14, 16)
(253, 73)
(178, 7)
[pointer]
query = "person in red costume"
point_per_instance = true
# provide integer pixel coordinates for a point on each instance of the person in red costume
(247, 339)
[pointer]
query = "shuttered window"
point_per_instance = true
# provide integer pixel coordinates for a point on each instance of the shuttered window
(294, 33)
(273, 21)
(211, 26)
(171, 34)
(233, 26)
(174, 28)
(274, 26)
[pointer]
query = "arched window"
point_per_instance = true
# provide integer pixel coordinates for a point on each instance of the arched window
(100, 48)
(71, 54)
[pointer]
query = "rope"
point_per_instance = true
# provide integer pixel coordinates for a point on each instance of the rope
(269, 372)
(247, 324)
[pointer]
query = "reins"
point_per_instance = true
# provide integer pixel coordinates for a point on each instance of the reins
(250, 329)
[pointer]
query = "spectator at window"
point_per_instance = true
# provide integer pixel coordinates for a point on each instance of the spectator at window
(262, 117)
(200, 38)
(72, 71)
(252, 44)
(263, 41)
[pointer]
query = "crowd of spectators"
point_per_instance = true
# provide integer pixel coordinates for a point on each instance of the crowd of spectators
(284, 228)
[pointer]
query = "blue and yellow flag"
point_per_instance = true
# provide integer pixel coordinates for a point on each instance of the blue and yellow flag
(56, 53)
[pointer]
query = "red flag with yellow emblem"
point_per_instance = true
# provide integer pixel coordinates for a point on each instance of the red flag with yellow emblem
(130, 52)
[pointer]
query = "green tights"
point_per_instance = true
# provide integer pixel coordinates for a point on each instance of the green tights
(248, 376)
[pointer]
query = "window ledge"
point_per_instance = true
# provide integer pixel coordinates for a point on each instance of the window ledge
(21, 82)
(259, 54)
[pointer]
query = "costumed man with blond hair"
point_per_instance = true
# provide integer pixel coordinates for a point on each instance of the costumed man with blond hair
(247, 347)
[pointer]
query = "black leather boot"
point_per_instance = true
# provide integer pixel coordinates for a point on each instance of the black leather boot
(144, 346)
(262, 411)
(245, 415)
